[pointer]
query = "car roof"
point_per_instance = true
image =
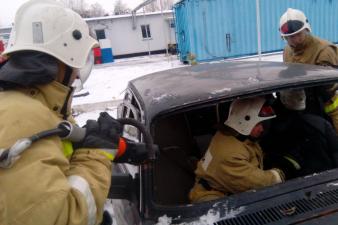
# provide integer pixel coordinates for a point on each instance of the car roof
(192, 85)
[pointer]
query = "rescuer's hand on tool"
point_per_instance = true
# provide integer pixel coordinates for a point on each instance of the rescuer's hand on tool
(103, 133)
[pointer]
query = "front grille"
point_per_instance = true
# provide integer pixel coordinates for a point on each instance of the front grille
(280, 211)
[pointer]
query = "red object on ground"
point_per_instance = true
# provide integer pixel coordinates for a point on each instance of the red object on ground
(97, 51)
(97, 60)
(97, 55)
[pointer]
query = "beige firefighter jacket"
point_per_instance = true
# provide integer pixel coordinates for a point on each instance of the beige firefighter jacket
(231, 166)
(43, 186)
(318, 52)
(3, 212)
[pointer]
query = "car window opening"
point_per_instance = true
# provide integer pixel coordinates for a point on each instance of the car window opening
(184, 137)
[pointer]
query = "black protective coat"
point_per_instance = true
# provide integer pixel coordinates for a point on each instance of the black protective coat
(308, 139)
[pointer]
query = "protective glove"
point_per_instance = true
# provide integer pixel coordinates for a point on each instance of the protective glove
(289, 165)
(103, 133)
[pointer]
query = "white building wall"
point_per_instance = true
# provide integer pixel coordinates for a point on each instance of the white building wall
(126, 40)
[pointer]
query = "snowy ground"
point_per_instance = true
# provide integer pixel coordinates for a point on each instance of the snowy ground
(106, 86)
(107, 83)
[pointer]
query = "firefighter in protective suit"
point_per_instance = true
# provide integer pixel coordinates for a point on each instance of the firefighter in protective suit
(233, 162)
(311, 140)
(302, 47)
(52, 182)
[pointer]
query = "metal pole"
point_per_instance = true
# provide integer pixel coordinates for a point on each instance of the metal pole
(164, 30)
(258, 20)
(147, 40)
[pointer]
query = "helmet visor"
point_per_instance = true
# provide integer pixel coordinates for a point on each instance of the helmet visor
(291, 26)
(84, 73)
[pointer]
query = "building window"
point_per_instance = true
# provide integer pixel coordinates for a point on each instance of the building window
(100, 34)
(171, 23)
(146, 31)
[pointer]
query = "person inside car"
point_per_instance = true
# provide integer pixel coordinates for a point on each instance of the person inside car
(233, 162)
(52, 181)
(303, 47)
(312, 143)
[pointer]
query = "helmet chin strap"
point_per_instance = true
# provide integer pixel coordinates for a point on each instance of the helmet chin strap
(67, 76)
(64, 74)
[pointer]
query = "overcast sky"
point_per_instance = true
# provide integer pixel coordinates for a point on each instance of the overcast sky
(9, 7)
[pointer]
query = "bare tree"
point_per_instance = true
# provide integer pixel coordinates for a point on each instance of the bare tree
(96, 10)
(167, 4)
(156, 5)
(121, 8)
(152, 7)
(80, 6)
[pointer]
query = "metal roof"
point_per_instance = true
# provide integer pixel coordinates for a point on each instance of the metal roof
(127, 15)
(186, 86)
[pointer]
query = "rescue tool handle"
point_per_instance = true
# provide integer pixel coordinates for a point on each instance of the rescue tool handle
(136, 153)
(77, 134)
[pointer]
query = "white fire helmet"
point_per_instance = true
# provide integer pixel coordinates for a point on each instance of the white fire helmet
(245, 114)
(47, 26)
(292, 22)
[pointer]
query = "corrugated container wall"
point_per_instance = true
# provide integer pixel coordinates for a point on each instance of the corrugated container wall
(217, 29)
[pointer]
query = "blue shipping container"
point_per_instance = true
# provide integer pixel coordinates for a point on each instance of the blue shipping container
(107, 55)
(217, 29)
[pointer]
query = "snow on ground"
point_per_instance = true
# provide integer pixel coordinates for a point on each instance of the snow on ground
(107, 83)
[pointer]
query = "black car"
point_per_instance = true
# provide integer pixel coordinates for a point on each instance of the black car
(180, 108)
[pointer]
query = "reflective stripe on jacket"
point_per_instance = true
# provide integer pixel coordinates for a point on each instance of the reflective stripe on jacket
(44, 186)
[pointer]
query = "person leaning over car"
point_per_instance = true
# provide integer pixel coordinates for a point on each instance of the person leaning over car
(303, 47)
(308, 140)
(51, 182)
(233, 162)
